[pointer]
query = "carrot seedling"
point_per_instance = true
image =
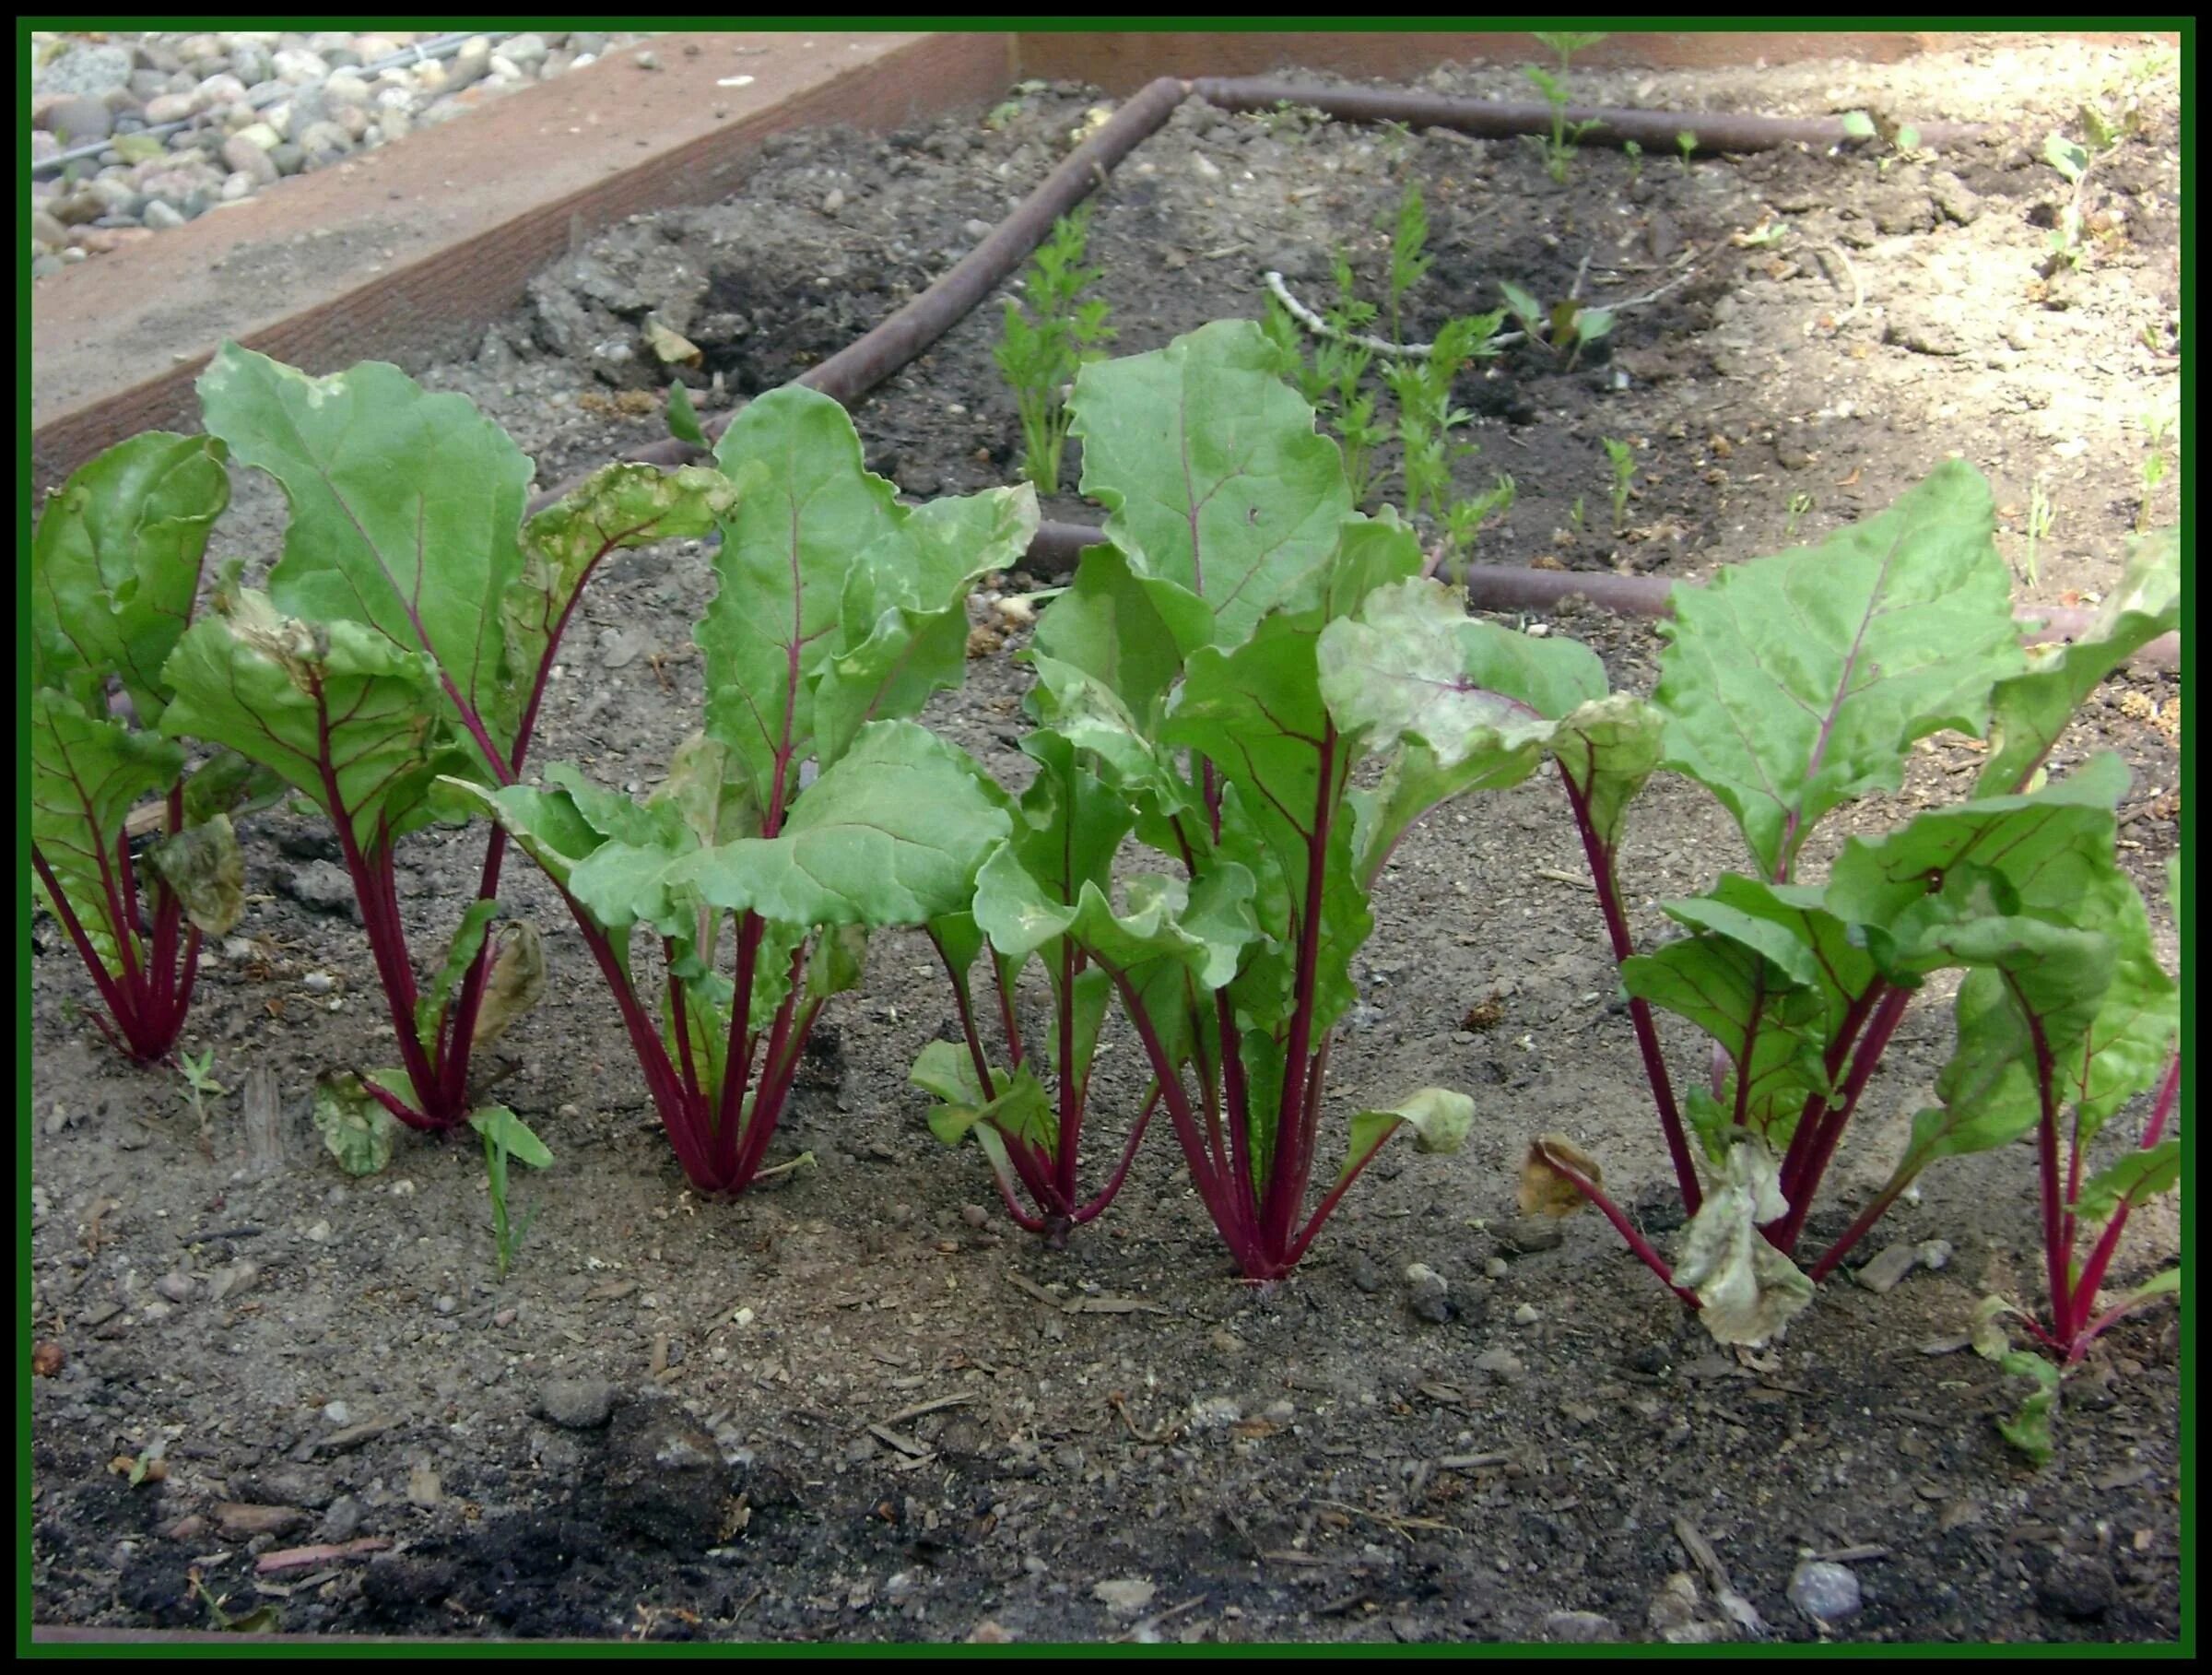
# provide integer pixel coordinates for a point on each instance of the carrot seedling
(1043, 346)
(1622, 458)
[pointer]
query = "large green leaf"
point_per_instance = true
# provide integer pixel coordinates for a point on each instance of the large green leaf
(1212, 472)
(1127, 634)
(1467, 703)
(2138, 1176)
(1768, 1023)
(2049, 847)
(2029, 711)
(786, 550)
(621, 505)
(1607, 748)
(86, 774)
(1787, 926)
(331, 707)
(1793, 683)
(115, 564)
(904, 632)
(405, 510)
(1256, 715)
(892, 834)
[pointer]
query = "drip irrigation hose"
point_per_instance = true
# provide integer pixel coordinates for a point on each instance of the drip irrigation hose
(1656, 131)
(1501, 588)
(445, 46)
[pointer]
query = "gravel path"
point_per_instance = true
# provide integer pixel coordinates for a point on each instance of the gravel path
(134, 133)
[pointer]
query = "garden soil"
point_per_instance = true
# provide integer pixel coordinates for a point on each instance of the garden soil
(858, 1404)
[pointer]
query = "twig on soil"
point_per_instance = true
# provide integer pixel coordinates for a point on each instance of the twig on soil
(1395, 1522)
(1381, 345)
(1152, 1622)
(1557, 877)
(920, 1408)
(1740, 1610)
(300, 1558)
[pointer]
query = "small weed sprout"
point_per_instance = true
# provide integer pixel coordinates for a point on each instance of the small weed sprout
(1558, 148)
(1580, 516)
(1800, 504)
(1427, 418)
(1623, 460)
(2158, 431)
(1566, 328)
(1463, 522)
(1329, 376)
(2073, 162)
(200, 1086)
(2039, 517)
(1635, 156)
(1408, 253)
(1686, 142)
(505, 1137)
(1042, 347)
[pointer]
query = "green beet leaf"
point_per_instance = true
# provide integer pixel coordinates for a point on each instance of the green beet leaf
(339, 712)
(1440, 1118)
(892, 834)
(1795, 683)
(115, 566)
(2030, 711)
(405, 512)
(1213, 475)
(87, 774)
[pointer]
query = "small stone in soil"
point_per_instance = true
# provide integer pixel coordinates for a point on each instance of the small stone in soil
(1525, 1235)
(2079, 1586)
(577, 1404)
(1502, 1363)
(1427, 1293)
(1581, 1628)
(177, 1288)
(1360, 1269)
(1824, 1591)
(336, 1413)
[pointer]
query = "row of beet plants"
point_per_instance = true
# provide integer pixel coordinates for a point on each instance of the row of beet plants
(1246, 695)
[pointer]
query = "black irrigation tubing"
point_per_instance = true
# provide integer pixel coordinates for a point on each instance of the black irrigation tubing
(856, 369)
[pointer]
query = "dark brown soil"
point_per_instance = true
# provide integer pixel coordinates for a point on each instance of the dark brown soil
(1312, 1462)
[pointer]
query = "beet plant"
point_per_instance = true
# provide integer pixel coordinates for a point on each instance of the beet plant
(1201, 686)
(114, 574)
(809, 811)
(1798, 684)
(405, 640)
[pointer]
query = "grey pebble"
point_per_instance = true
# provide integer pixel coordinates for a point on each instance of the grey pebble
(1428, 1294)
(2079, 1586)
(1581, 1628)
(320, 885)
(577, 1404)
(342, 1522)
(1360, 1269)
(177, 1288)
(1825, 1591)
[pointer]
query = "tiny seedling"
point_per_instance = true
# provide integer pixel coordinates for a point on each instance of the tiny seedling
(505, 1136)
(199, 1087)
(1330, 375)
(1041, 346)
(2157, 430)
(1686, 142)
(1408, 253)
(2040, 514)
(1800, 504)
(2074, 163)
(1765, 236)
(1622, 458)
(1559, 147)
(1566, 328)
(1463, 522)
(1635, 156)
(1580, 516)
(1427, 418)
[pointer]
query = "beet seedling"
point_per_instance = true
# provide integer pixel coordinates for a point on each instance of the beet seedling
(1799, 506)
(2040, 515)
(115, 567)
(1765, 697)
(505, 1136)
(1686, 142)
(1219, 668)
(2157, 428)
(1041, 346)
(1566, 328)
(403, 645)
(809, 811)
